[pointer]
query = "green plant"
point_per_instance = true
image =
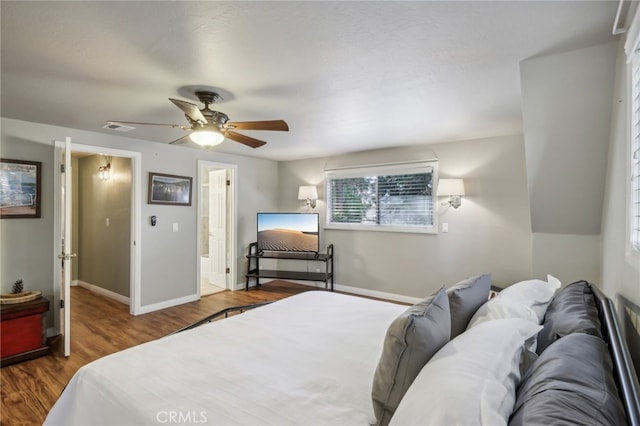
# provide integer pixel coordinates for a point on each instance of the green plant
(18, 287)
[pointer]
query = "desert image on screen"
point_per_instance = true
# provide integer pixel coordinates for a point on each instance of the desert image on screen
(292, 232)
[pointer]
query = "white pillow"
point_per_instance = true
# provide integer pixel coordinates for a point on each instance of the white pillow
(470, 381)
(500, 308)
(535, 294)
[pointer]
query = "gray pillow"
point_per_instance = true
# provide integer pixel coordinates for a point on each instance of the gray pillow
(572, 310)
(411, 340)
(464, 300)
(571, 383)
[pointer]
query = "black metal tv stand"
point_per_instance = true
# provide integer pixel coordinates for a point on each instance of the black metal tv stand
(254, 271)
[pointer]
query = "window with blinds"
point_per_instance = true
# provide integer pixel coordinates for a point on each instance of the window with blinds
(393, 198)
(635, 154)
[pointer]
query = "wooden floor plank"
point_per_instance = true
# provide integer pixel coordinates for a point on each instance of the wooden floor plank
(102, 326)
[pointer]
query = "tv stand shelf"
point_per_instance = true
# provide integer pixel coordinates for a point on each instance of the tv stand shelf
(254, 271)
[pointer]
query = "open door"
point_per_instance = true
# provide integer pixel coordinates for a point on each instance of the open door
(218, 227)
(63, 162)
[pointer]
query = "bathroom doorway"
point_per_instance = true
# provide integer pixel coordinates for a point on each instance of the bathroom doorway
(216, 239)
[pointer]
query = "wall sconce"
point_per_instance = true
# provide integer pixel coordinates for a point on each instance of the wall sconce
(104, 172)
(309, 193)
(453, 188)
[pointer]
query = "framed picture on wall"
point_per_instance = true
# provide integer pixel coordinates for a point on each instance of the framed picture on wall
(20, 189)
(169, 189)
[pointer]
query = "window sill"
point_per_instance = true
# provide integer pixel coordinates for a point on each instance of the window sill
(403, 229)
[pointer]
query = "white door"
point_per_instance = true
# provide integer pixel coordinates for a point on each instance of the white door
(218, 228)
(65, 254)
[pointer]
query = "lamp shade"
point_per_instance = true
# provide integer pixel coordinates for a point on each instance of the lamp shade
(307, 193)
(206, 137)
(447, 187)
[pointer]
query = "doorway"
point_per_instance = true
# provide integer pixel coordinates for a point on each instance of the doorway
(66, 190)
(216, 227)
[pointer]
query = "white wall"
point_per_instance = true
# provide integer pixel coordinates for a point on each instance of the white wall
(490, 232)
(168, 258)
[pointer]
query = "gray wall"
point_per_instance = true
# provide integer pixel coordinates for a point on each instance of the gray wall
(490, 232)
(169, 260)
(75, 214)
(566, 106)
(620, 263)
(27, 244)
(567, 115)
(104, 251)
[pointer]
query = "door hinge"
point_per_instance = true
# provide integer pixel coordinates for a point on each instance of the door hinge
(61, 168)
(228, 182)
(228, 270)
(62, 304)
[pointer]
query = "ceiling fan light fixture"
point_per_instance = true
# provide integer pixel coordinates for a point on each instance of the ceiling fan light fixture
(206, 137)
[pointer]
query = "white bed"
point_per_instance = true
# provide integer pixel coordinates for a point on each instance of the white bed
(243, 370)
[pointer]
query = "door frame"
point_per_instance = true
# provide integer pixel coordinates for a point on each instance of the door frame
(232, 220)
(135, 277)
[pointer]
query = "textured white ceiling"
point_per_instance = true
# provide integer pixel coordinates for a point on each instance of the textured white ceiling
(346, 76)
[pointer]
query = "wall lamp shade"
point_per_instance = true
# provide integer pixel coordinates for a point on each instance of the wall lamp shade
(309, 193)
(452, 188)
(105, 172)
(206, 137)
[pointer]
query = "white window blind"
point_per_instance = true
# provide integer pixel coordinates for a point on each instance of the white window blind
(635, 154)
(394, 197)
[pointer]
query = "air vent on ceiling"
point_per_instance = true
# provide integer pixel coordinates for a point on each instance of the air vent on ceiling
(118, 127)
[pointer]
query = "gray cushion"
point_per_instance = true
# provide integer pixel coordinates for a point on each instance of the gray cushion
(571, 383)
(464, 300)
(572, 310)
(411, 341)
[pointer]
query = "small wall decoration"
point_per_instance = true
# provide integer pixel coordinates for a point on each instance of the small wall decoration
(20, 189)
(169, 189)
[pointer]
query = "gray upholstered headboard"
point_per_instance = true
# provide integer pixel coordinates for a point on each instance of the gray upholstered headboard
(629, 315)
(625, 374)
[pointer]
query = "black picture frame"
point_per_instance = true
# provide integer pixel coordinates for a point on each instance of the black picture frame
(172, 190)
(21, 189)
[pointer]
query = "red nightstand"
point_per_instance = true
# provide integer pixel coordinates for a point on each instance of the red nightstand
(22, 331)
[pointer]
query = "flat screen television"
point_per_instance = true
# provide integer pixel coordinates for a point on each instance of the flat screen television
(292, 232)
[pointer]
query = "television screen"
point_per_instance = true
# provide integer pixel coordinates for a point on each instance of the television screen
(288, 232)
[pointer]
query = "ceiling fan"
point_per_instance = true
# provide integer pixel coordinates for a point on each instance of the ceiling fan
(209, 128)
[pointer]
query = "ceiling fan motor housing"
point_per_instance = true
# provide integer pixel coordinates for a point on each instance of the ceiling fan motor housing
(214, 118)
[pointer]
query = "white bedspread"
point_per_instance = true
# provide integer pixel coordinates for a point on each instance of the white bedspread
(305, 360)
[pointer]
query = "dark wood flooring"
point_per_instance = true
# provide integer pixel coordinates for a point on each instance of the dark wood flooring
(99, 327)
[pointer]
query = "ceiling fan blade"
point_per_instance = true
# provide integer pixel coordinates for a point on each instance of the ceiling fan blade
(253, 143)
(190, 109)
(180, 141)
(175, 126)
(280, 125)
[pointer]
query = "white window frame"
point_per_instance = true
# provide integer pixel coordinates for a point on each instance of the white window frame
(631, 48)
(382, 170)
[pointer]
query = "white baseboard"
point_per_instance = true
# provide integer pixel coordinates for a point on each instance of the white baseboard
(168, 303)
(357, 291)
(377, 294)
(102, 291)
